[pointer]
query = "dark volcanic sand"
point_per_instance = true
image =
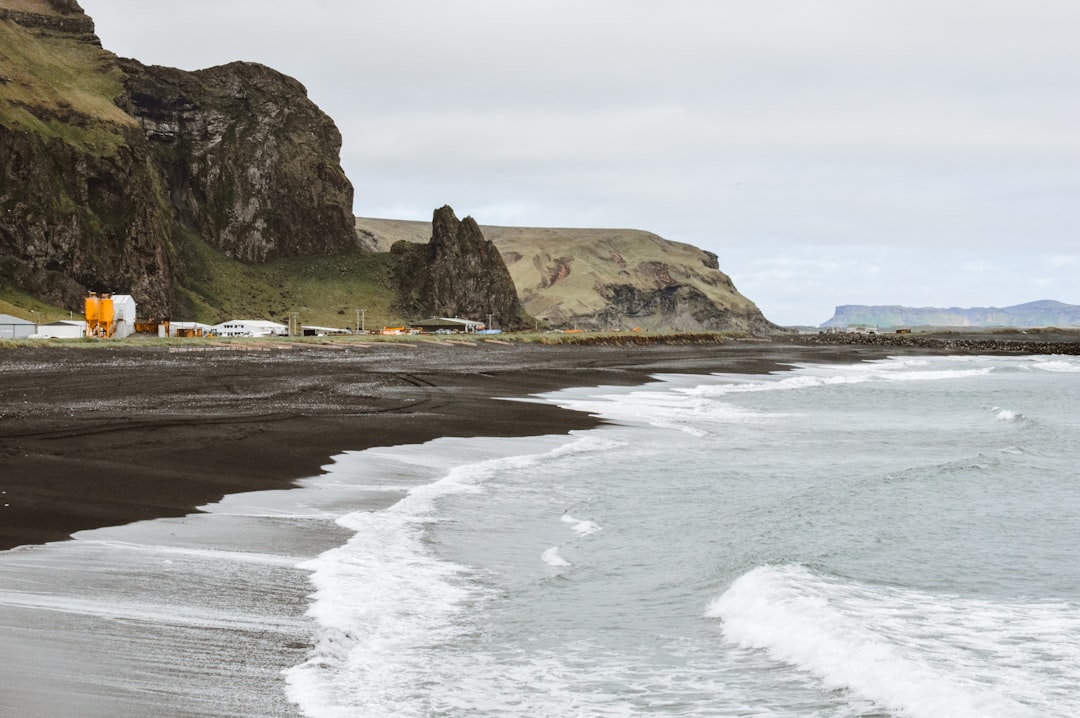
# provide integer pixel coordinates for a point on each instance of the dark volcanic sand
(92, 437)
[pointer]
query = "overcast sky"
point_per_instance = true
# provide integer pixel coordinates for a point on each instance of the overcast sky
(912, 152)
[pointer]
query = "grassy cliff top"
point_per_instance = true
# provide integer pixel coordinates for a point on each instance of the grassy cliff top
(38, 7)
(58, 85)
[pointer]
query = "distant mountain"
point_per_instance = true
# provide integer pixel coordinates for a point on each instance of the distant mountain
(1045, 313)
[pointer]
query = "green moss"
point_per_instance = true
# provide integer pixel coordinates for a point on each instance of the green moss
(22, 305)
(324, 290)
(61, 89)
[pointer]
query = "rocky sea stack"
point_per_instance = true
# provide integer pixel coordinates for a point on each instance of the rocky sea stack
(458, 273)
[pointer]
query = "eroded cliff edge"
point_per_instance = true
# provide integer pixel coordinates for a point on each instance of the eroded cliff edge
(108, 167)
(602, 278)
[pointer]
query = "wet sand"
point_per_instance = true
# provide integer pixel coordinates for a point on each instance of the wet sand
(94, 437)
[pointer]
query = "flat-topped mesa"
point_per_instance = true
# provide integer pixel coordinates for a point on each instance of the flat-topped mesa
(1043, 313)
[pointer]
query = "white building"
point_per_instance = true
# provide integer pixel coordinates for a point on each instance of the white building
(312, 331)
(447, 324)
(15, 328)
(65, 329)
(184, 329)
(123, 315)
(250, 328)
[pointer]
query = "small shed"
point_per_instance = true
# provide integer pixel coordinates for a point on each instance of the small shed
(15, 328)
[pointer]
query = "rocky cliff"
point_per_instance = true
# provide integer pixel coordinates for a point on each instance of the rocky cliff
(250, 162)
(108, 166)
(606, 278)
(457, 273)
(1045, 313)
(618, 278)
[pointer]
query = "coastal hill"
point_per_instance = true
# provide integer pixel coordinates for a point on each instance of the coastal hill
(1044, 313)
(219, 193)
(114, 176)
(603, 278)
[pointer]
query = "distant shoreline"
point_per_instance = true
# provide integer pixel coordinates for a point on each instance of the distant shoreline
(124, 433)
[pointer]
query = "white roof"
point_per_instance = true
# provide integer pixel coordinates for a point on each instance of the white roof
(338, 330)
(446, 320)
(261, 323)
(8, 319)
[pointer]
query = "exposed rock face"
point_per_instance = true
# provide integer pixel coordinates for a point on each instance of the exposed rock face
(1043, 313)
(617, 279)
(64, 16)
(251, 162)
(458, 273)
(606, 278)
(100, 225)
(80, 206)
(106, 163)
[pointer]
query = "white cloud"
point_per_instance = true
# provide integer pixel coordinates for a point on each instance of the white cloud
(780, 134)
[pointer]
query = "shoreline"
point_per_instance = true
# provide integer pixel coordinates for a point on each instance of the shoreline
(111, 436)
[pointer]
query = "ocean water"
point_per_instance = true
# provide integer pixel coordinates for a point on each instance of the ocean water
(890, 538)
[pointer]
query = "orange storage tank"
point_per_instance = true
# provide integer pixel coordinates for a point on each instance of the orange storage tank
(105, 310)
(92, 309)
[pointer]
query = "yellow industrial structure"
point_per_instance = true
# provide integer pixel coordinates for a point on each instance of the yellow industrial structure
(110, 315)
(100, 316)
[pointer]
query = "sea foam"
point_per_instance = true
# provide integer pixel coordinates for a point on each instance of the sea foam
(553, 558)
(1057, 365)
(579, 526)
(384, 600)
(914, 653)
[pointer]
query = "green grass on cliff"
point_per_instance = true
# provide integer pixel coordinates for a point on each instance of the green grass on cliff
(322, 291)
(22, 305)
(60, 88)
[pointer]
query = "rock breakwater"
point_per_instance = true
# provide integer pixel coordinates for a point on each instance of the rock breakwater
(1049, 343)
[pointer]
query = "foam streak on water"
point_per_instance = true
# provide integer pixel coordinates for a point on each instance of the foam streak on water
(873, 539)
(385, 603)
(892, 538)
(921, 654)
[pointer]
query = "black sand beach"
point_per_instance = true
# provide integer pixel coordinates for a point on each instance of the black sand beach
(102, 436)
